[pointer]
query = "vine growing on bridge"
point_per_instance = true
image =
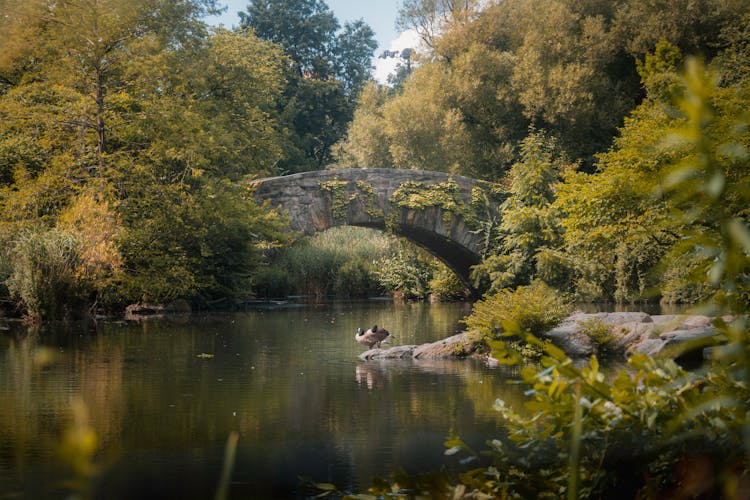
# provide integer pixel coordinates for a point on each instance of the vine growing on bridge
(339, 199)
(344, 193)
(478, 213)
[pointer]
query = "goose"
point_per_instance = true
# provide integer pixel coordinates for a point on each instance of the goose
(372, 336)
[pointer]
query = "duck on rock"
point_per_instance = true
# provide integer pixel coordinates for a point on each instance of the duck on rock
(371, 337)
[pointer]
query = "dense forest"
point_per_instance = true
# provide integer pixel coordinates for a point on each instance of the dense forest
(127, 128)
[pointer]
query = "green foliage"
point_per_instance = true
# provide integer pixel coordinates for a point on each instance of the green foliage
(490, 71)
(622, 234)
(124, 125)
(445, 285)
(532, 309)
(344, 193)
(339, 200)
(356, 262)
(329, 67)
(272, 281)
(653, 428)
(601, 333)
(447, 196)
(406, 274)
(659, 71)
(339, 261)
(366, 144)
(43, 267)
(529, 225)
(355, 279)
(708, 187)
(206, 247)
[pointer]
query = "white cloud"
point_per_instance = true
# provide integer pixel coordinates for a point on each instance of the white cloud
(384, 67)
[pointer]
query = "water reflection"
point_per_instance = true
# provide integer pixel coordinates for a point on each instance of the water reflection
(163, 396)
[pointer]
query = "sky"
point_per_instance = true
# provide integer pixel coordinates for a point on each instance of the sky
(379, 14)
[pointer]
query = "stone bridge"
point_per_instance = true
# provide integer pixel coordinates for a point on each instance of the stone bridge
(447, 215)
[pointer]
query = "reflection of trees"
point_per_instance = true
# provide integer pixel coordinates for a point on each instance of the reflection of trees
(289, 382)
(38, 385)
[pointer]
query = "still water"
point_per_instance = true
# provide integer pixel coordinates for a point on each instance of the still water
(162, 397)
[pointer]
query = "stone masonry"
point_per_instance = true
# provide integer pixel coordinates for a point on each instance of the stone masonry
(318, 200)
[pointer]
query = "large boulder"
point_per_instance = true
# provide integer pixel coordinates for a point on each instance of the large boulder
(613, 318)
(568, 337)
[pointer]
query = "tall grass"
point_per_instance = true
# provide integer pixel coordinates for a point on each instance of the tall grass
(356, 262)
(338, 261)
(43, 273)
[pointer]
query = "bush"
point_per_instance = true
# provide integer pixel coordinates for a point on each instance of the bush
(601, 333)
(534, 309)
(355, 279)
(43, 267)
(445, 285)
(405, 274)
(273, 282)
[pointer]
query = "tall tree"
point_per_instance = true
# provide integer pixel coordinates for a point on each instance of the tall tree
(139, 104)
(329, 68)
(530, 226)
(566, 67)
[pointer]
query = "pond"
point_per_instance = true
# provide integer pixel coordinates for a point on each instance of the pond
(162, 397)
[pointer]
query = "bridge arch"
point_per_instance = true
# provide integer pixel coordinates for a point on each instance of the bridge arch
(447, 215)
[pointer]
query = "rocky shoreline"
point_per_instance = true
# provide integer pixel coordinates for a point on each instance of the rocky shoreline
(683, 337)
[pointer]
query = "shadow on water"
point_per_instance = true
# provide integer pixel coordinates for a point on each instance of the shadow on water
(163, 395)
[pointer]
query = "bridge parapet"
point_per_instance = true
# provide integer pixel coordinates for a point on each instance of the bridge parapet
(446, 214)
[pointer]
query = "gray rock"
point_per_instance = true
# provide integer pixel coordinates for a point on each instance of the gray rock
(567, 337)
(630, 334)
(457, 346)
(397, 352)
(650, 347)
(691, 322)
(615, 318)
(678, 336)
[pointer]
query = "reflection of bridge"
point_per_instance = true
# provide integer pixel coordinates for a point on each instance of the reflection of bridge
(447, 215)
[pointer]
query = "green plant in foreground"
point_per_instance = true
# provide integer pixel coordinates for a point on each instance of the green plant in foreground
(653, 430)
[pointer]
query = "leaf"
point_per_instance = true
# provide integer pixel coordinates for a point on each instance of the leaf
(555, 352)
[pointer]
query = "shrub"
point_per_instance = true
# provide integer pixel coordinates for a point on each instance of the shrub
(601, 333)
(534, 309)
(273, 282)
(355, 279)
(445, 285)
(405, 274)
(43, 267)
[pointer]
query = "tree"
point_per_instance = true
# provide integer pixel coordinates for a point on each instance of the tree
(430, 17)
(693, 26)
(619, 225)
(304, 29)
(530, 227)
(328, 70)
(366, 143)
(153, 117)
(355, 46)
(566, 67)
